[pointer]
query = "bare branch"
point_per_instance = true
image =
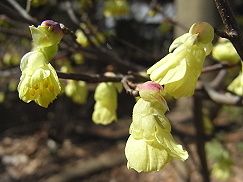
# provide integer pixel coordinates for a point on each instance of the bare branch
(223, 98)
(217, 67)
(233, 32)
(89, 78)
(22, 11)
(127, 86)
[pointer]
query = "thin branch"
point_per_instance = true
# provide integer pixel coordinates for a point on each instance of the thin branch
(22, 11)
(127, 86)
(28, 5)
(223, 98)
(200, 135)
(233, 31)
(89, 78)
(14, 32)
(10, 73)
(219, 78)
(217, 67)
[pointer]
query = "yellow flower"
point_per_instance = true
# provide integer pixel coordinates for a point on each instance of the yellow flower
(151, 144)
(116, 8)
(77, 90)
(2, 97)
(106, 103)
(225, 51)
(144, 157)
(39, 81)
(237, 84)
(179, 70)
(81, 38)
(222, 170)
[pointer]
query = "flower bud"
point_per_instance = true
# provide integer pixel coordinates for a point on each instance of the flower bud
(151, 91)
(225, 51)
(49, 33)
(204, 30)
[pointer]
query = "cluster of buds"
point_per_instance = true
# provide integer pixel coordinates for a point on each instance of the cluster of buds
(39, 81)
(151, 145)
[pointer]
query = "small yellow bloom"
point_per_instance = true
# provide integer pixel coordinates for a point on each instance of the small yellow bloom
(179, 70)
(77, 90)
(225, 51)
(116, 8)
(39, 81)
(222, 170)
(81, 38)
(2, 97)
(106, 103)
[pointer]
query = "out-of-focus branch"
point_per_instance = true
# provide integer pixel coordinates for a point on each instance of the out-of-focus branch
(217, 67)
(200, 135)
(130, 89)
(223, 98)
(22, 11)
(89, 77)
(113, 57)
(232, 32)
(14, 32)
(9, 73)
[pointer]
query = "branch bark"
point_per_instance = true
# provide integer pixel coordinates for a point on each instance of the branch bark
(200, 135)
(232, 30)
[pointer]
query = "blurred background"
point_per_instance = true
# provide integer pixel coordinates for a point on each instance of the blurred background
(61, 143)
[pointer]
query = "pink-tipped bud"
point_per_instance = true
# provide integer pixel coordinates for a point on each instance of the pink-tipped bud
(150, 91)
(150, 86)
(54, 26)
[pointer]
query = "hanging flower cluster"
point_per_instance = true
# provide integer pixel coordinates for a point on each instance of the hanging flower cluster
(179, 70)
(151, 145)
(39, 81)
(106, 103)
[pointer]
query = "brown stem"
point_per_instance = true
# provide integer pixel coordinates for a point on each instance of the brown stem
(200, 142)
(89, 78)
(217, 67)
(233, 32)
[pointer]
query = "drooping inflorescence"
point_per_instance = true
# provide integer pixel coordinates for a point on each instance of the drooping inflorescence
(39, 81)
(150, 145)
(106, 103)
